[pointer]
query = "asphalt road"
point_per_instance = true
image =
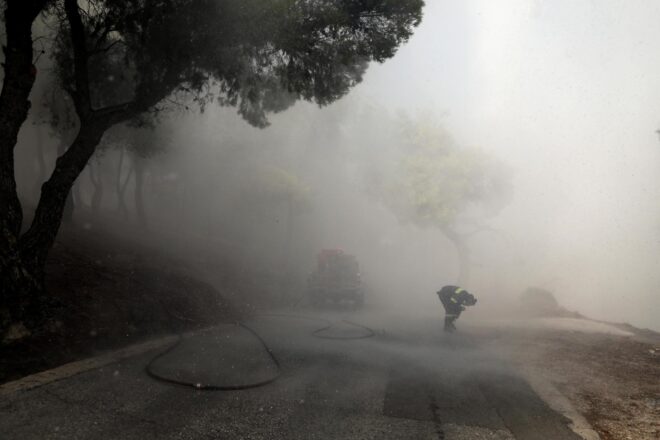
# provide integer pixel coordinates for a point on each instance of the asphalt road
(408, 381)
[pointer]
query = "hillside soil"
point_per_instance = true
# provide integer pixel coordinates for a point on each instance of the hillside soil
(110, 292)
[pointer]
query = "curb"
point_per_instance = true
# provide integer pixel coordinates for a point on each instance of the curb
(560, 403)
(74, 368)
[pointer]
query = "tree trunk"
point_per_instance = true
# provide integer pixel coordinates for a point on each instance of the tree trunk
(287, 282)
(182, 196)
(23, 301)
(463, 254)
(41, 161)
(121, 186)
(19, 76)
(77, 196)
(37, 241)
(288, 251)
(69, 205)
(23, 276)
(24, 297)
(23, 258)
(139, 189)
(97, 194)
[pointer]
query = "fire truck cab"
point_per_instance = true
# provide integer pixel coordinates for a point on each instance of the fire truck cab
(336, 279)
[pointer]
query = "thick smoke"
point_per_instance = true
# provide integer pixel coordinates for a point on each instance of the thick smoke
(565, 95)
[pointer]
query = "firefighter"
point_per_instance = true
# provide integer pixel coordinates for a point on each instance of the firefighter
(454, 299)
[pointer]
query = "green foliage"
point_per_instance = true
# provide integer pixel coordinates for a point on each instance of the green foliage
(266, 189)
(278, 184)
(438, 183)
(140, 141)
(258, 55)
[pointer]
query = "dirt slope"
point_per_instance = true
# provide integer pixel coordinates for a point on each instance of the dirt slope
(109, 293)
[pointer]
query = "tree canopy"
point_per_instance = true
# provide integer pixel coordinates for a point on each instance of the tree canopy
(122, 59)
(260, 56)
(440, 184)
(437, 183)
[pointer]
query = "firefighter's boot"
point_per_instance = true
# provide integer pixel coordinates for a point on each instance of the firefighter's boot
(449, 323)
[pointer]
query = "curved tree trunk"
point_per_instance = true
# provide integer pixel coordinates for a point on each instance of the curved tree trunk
(69, 206)
(17, 82)
(23, 292)
(41, 161)
(23, 257)
(97, 194)
(463, 255)
(38, 239)
(287, 272)
(77, 196)
(120, 186)
(139, 190)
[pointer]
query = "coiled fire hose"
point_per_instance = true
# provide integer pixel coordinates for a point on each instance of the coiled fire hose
(209, 387)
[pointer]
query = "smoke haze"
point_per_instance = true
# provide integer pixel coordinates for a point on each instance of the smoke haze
(564, 94)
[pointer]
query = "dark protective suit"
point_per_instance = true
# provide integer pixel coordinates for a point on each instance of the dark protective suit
(454, 299)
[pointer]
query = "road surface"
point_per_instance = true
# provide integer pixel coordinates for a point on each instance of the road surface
(408, 381)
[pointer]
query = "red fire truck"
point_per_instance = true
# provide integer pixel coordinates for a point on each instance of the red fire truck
(336, 279)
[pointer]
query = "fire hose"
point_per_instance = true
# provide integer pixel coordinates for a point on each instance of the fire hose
(209, 387)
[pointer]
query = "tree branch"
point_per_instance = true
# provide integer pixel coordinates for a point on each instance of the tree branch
(81, 95)
(105, 49)
(115, 111)
(17, 83)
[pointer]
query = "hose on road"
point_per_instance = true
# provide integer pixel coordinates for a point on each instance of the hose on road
(199, 386)
(328, 324)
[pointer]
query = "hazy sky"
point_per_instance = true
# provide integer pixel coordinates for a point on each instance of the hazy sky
(568, 93)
